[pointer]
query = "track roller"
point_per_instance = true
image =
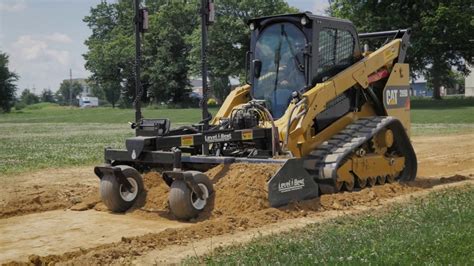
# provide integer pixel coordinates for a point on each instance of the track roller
(360, 182)
(381, 179)
(371, 181)
(391, 179)
(349, 185)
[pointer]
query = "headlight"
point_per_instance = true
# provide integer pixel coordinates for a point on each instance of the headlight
(252, 26)
(304, 21)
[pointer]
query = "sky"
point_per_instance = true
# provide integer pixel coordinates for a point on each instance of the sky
(45, 38)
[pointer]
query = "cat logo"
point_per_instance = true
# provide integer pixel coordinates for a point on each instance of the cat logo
(392, 97)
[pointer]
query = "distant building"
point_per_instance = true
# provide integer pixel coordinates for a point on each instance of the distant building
(469, 86)
(419, 88)
(196, 86)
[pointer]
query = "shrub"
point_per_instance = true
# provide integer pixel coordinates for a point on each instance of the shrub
(19, 106)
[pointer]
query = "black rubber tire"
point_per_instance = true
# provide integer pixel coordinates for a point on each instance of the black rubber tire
(110, 190)
(180, 197)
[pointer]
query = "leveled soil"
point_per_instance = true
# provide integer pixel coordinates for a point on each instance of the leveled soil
(46, 190)
(238, 205)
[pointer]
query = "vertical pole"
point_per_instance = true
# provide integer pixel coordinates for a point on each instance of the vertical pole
(138, 85)
(205, 112)
(204, 14)
(70, 87)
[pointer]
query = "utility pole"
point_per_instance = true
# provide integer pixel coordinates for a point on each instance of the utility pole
(70, 87)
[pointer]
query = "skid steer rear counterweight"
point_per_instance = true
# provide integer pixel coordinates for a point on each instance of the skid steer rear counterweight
(333, 116)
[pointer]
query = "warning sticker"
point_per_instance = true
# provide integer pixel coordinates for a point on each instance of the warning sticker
(247, 135)
(187, 141)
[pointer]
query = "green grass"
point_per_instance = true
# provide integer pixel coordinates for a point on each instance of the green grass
(449, 111)
(435, 230)
(424, 111)
(32, 146)
(51, 113)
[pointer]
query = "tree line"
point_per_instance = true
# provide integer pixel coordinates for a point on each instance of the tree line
(442, 39)
(441, 48)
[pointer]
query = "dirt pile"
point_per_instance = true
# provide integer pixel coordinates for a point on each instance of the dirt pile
(240, 188)
(154, 202)
(241, 191)
(156, 197)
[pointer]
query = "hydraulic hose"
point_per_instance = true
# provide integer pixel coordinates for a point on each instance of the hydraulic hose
(275, 138)
(290, 121)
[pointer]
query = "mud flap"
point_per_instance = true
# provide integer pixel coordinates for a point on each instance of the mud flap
(291, 183)
(103, 170)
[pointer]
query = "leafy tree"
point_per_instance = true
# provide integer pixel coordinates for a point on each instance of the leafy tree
(111, 52)
(220, 87)
(111, 92)
(7, 84)
(63, 94)
(441, 31)
(111, 49)
(96, 90)
(47, 96)
(166, 50)
(229, 39)
(450, 80)
(28, 98)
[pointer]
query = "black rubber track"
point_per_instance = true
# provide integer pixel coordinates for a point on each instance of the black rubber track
(324, 161)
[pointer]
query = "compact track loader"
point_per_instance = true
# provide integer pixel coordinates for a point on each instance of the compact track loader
(334, 115)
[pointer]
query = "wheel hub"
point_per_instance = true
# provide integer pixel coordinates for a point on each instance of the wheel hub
(198, 203)
(129, 194)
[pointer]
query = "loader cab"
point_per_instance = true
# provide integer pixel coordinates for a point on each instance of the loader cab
(294, 52)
